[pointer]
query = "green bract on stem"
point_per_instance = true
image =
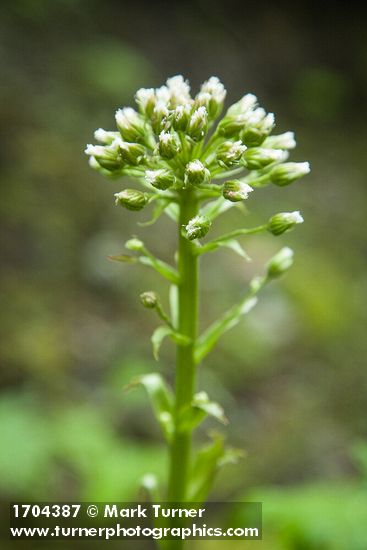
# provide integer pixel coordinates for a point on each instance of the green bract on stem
(164, 146)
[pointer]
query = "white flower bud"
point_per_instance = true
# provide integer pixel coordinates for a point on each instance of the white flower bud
(163, 95)
(197, 227)
(168, 145)
(159, 116)
(284, 174)
(282, 141)
(198, 124)
(135, 245)
(229, 153)
(245, 105)
(97, 151)
(130, 124)
(93, 163)
(202, 100)
(131, 199)
(196, 173)
(236, 190)
(284, 221)
(179, 90)
(149, 299)
(105, 137)
(146, 100)
(160, 179)
(279, 263)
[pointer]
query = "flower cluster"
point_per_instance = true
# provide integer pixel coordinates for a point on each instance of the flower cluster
(170, 142)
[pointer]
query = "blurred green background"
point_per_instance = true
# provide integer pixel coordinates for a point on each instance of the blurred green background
(292, 376)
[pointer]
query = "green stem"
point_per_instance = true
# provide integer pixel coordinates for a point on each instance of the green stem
(213, 245)
(180, 450)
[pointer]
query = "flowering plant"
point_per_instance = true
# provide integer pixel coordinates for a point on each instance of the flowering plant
(193, 170)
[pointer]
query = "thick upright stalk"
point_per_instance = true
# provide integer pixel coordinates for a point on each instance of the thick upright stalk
(180, 450)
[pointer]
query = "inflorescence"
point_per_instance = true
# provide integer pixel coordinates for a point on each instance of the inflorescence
(171, 142)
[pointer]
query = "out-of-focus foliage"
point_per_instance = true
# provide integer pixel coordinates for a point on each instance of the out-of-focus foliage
(322, 516)
(292, 376)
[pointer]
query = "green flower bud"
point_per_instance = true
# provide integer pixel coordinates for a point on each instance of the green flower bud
(197, 227)
(159, 117)
(229, 153)
(279, 263)
(181, 117)
(106, 156)
(236, 190)
(198, 124)
(257, 158)
(284, 174)
(283, 221)
(230, 127)
(284, 141)
(94, 164)
(130, 124)
(211, 96)
(146, 100)
(134, 244)
(132, 153)
(237, 116)
(160, 179)
(149, 299)
(168, 145)
(196, 173)
(131, 199)
(257, 127)
(253, 137)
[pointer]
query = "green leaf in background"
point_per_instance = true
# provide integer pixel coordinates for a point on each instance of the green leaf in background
(26, 446)
(206, 464)
(172, 211)
(202, 402)
(125, 258)
(157, 338)
(327, 516)
(213, 209)
(160, 397)
(43, 449)
(159, 208)
(231, 318)
(160, 333)
(201, 407)
(230, 243)
(234, 245)
(167, 271)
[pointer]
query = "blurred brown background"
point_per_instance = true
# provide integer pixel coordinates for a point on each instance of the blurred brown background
(292, 377)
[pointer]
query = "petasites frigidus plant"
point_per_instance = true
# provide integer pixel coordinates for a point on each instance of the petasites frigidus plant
(193, 169)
